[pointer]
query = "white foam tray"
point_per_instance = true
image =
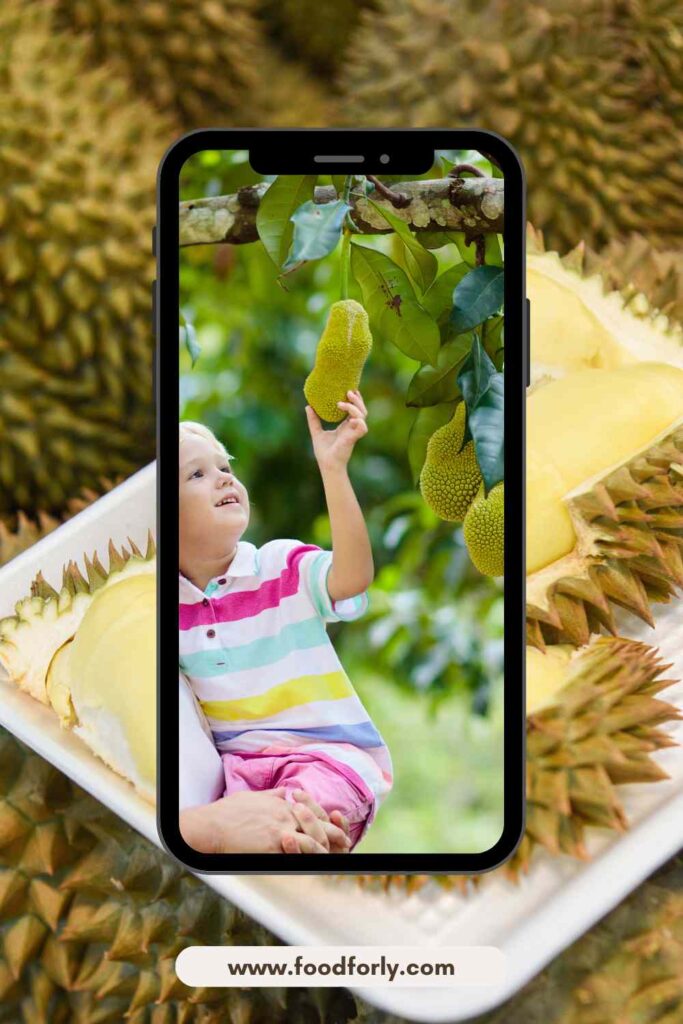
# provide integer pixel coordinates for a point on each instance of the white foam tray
(530, 923)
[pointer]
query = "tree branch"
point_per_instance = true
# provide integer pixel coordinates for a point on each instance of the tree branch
(474, 205)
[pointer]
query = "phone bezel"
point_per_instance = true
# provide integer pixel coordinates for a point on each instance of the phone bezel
(166, 388)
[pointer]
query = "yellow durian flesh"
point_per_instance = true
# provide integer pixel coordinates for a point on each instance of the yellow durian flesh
(104, 681)
(546, 674)
(565, 332)
(577, 324)
(583, 425)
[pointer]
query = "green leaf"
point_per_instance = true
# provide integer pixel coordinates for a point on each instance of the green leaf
(493, 253)
(432, 239)
(434, 384)
(425, 263)
(317, 229)
(478, 296)
(279, 202)
(188, 334)
(395, 315)
(426, 422)
(493, 340)
(468, 252)
(339, 182)
(483, 391)
(438, 299)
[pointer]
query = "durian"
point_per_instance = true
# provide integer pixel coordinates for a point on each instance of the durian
(604, 499)
(343, 348)
(450, 476)
(198, 60)
(25, 532)
(484, 530)
(588, 98)
(92, 916)
(78, 158)
(287, 94)
(584, 317)
(627, 969)
(648, 278)
(48, 619)
(318, 35)
(593, 721)
(103, 682)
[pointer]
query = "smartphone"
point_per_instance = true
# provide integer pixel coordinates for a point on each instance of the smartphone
(340, 500)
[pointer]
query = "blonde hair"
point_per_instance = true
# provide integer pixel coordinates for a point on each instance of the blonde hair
(188, 430)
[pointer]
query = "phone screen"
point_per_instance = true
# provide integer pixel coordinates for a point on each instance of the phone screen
(342, 379)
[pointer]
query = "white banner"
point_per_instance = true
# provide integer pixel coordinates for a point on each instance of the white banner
(322, 966)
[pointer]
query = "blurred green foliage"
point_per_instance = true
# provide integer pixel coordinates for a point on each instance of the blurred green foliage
(429, 650)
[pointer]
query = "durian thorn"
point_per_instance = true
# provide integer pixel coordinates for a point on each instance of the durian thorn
(42, 589)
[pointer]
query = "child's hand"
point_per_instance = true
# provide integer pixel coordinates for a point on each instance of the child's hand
(332, 448)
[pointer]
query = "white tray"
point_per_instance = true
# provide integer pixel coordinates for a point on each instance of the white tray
(531, 923)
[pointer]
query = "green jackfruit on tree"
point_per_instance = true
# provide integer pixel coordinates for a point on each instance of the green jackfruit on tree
(450, 477)
(483, 530)
(344, 346)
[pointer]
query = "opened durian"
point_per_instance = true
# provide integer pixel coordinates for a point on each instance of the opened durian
(196, 59)
(604, 498)
(580, 321)
(593, 721)
(587, 93)
(78, 158)
(89, 652)
(648, 278)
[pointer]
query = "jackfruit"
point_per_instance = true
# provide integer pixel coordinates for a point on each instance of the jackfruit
(593, 722)
(78, 158)
(198, 60)
(484, 531)
(604, 498)
(344, 346)
(587, 93)
(450, 477)
(286, 93)
(579, 322)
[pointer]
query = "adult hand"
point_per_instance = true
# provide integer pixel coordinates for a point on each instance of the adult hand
(312, 818)
(256, 822)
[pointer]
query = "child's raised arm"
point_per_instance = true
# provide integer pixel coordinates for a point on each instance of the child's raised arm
(352, 568)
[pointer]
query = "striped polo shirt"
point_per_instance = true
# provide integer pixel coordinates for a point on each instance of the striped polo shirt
(256, 652)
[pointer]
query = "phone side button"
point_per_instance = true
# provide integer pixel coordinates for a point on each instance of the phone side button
(154, 308)
(528, 343)
(154, 240)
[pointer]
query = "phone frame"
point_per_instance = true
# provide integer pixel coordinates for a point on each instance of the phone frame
(165, 316)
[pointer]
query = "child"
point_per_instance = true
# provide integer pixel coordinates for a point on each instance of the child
(253, 641)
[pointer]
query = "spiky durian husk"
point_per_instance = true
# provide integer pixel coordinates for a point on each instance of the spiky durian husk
(627, 969)
(648, 278)
(92, 917)
(588, 92)
(317, 34)
(629, 551)
(195, 59)
(24, 532)
(78, 158)
(48, 619)
(596, 733)
(286, 95)
(633, 291)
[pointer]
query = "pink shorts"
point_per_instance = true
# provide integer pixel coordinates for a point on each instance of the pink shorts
(335, 787)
